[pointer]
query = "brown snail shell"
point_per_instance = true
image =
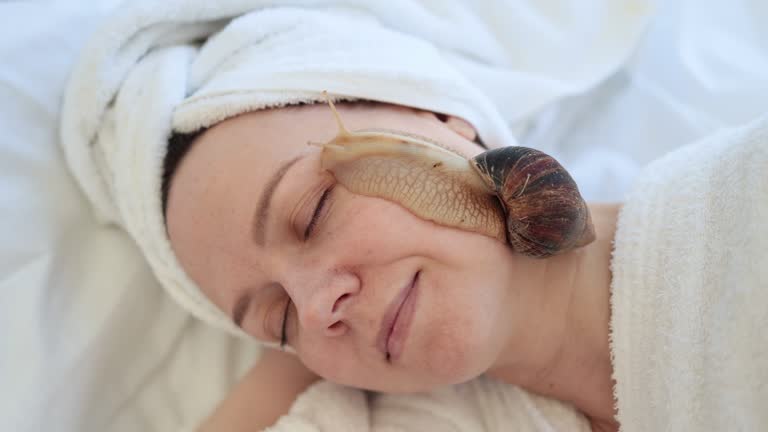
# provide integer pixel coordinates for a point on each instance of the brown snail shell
(516, 195)
(545, 212)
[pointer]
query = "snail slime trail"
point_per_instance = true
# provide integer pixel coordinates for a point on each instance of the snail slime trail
(519, 196)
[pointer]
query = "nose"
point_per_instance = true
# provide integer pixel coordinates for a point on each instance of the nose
(323, 300)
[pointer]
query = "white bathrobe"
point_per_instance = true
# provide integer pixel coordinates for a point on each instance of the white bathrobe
(690, 289)
(479, 405)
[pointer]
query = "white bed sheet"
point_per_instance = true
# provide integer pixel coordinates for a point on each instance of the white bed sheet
(76, 356)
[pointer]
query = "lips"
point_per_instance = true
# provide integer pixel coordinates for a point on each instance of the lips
(396, 322)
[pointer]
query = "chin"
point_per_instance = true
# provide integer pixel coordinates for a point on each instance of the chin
(453, 358)
(435, 367)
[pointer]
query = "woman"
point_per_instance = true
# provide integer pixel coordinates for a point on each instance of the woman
(660, 317)
(295, 258)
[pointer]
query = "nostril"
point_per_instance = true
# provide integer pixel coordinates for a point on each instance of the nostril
(336, 329)
(338, 302)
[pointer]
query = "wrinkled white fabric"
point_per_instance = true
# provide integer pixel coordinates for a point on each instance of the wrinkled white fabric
(690, 289)
(480, 405)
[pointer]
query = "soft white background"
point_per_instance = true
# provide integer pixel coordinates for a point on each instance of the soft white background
(75, 355)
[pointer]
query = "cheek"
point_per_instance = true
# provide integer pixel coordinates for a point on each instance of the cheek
(460, 306)
(375, 228)
(340, 363)
(460, 335)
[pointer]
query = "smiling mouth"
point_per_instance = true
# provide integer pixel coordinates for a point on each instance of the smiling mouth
(396, 320)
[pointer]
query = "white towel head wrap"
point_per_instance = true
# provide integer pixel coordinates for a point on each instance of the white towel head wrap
(145, 76)
(155, 68)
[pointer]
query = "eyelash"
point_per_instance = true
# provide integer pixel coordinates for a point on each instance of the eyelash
(283, 338)
(316, 214)
(307, 232)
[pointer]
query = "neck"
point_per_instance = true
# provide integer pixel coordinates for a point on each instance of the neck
(567, 352)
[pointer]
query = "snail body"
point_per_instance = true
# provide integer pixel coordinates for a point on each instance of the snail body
(519, 196)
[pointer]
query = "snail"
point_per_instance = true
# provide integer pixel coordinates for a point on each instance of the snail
(545, 213)
(517, 195)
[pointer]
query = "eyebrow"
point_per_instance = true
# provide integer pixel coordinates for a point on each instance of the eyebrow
(259, 227)
(261, 215)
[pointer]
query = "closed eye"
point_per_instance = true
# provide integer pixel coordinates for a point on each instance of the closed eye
(318, 210)
(283, 334)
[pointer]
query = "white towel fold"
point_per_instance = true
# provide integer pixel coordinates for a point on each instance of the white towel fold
(157, 67)
(690, 289)
(481, 405)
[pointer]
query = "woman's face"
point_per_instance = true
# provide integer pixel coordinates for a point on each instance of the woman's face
(259, 226)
